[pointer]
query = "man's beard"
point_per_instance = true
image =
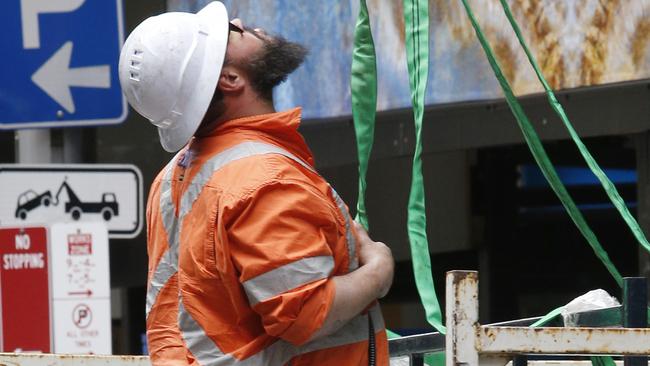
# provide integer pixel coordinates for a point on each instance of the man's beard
(272, 65)
(277, 59)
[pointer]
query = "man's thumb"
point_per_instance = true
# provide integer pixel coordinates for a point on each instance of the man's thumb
(361, 232)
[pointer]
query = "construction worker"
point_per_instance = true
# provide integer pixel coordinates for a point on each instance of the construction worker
(253, 257)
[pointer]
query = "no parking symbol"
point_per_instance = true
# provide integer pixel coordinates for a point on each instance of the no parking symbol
(82, 316)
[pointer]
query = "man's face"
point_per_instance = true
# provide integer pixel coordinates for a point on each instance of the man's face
(243, 45)
(266, 60)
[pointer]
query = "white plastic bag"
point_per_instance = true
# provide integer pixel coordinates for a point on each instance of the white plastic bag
(592, 300)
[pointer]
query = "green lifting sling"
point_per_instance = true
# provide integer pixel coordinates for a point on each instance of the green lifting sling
(364, 103)
(364, 100)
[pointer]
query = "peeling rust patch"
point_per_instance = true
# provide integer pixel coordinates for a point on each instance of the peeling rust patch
(17, 359)
(640, 42)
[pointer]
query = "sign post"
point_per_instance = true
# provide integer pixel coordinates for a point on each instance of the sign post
(24, 287)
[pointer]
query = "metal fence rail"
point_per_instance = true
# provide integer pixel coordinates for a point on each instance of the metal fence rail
(469, 343)
(36, 359)
(416, 346)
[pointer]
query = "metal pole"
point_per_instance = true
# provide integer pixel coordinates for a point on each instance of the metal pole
(72, 145)
(417, 359)
(461, 318)
(33, 146)
(642, 145)
(520, 360)
(635, 303)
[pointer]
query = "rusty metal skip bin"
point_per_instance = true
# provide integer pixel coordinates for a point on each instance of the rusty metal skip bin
(469, 343)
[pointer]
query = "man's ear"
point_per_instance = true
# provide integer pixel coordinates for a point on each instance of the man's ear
(231, 80)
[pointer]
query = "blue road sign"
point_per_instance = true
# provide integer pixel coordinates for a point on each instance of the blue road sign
(59, 63)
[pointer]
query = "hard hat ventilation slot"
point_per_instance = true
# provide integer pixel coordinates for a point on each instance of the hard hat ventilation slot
(137, 52)
(135, 64)
(135, 76)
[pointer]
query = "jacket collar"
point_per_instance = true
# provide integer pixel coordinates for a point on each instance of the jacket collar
(279, 128)
(271, 123)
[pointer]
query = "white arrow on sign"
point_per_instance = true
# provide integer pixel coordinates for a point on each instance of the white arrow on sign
(56, 77)
(30, 10)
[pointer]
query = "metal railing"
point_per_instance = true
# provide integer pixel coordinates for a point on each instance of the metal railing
(468, 343)
(41, 359)
(417, 346)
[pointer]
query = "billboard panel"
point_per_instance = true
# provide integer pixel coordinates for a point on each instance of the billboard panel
(577, 43)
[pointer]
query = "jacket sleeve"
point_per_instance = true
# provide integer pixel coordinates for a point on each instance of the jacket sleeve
(281, 242)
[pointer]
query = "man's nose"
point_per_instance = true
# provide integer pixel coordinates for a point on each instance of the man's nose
(237, 22)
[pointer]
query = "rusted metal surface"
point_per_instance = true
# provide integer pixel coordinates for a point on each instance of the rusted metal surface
(42, 359)
(470, 344)
(462, 317)
(631, 341)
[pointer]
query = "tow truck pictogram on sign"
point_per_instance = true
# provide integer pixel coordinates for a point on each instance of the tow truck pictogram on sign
(56, 193)
(30, 200)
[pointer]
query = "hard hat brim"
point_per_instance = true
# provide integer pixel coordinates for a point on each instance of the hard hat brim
(214, 18)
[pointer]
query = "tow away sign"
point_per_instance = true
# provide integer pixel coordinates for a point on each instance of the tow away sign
(55, 193)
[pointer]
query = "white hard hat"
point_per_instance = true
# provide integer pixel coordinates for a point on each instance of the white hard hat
(169, 69)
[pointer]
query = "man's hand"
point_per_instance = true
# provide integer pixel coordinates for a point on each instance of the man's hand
(356, 289)
(378, 256)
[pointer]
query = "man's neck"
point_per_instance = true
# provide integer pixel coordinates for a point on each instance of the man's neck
(235, 108)
(245, 108)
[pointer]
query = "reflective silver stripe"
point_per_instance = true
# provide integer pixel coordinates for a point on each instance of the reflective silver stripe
(201, 346)
(167, 265)
(237, 152)
(349, 237)
(257, 148)
(281, 351)
(288, 277)
(356, 330)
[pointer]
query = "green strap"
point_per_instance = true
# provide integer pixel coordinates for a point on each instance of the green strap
(602, 361)
(612, 193)
(363, 85)
(392, 335)
(536, 148)
(610, 189)
(364, 100)
(416, 19)
(548, 317)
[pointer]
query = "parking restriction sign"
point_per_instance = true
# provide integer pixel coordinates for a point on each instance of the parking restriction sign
(81, 309)
(25, 290)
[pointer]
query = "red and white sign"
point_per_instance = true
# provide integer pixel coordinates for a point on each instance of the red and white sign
(80, 288)
(24, 287)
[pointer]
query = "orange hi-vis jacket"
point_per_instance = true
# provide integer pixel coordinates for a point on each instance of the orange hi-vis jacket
(244, 238)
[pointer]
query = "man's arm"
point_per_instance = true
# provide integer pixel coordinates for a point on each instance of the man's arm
(357, 289)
